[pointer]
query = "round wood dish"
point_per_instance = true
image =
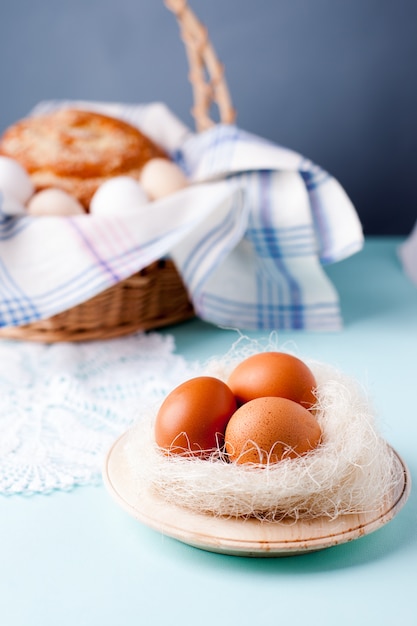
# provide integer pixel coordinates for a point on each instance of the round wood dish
(244, 537)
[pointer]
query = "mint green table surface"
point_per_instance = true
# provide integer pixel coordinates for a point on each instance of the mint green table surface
(77, 559)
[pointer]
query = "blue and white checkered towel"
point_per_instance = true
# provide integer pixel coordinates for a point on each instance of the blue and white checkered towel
(249, 235)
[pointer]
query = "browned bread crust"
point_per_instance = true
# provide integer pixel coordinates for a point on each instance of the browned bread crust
(77, 150)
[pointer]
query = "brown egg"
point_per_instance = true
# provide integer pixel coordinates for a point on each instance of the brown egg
(54, 202)
(193, 417)
(273, 374)
(268, 429)
(160, 178)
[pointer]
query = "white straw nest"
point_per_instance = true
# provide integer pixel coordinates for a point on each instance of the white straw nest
(352, 471)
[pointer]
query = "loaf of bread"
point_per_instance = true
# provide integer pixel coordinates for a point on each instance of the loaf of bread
(77, 150)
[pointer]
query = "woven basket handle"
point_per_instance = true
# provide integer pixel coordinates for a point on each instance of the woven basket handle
(206, 72)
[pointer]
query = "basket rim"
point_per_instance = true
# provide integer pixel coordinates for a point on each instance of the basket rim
(210, 89)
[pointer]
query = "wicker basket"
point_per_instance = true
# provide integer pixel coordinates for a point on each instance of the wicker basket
(155, 296)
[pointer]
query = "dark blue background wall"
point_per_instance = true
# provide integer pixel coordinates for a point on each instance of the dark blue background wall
(334, 79)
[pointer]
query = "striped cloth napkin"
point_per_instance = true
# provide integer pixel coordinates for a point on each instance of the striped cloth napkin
(250, 235)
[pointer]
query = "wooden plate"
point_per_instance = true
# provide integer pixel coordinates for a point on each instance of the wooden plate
(243, 537)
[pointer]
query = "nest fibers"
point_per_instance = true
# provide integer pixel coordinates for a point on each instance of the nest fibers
(352, 471)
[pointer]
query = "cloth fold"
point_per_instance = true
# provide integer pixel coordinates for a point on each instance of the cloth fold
(249, 235)
(407, 253)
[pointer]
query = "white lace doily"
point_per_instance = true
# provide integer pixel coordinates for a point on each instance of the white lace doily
(62, 405)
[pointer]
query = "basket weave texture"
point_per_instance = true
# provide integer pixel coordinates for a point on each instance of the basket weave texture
(155, 296)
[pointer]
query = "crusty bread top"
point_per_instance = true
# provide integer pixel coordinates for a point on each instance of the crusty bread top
(76, 150)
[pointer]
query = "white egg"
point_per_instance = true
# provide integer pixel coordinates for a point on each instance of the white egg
(14, 180)
(54, 202)
(161, 178)
(11, 206)
(117, 196)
